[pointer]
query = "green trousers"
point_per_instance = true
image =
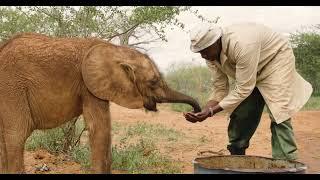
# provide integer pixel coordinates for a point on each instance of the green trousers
(244, 122)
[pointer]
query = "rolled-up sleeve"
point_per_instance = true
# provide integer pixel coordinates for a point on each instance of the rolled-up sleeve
(247, 59)
(220, 83)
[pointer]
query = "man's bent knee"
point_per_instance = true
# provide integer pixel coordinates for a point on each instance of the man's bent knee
(236, 151)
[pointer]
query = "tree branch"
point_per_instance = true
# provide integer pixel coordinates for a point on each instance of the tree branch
(119, 34)
(26, 15)
(78, 139)
(46, 13)
(144, 42)
(137, 47)
(141, 34)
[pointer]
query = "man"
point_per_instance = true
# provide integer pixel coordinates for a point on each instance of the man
(262, 64)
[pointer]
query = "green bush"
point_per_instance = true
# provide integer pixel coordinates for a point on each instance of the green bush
(306, 48)
(137, 151)
(81, 154)
(195, 81)
(312, 104)
(51, 140)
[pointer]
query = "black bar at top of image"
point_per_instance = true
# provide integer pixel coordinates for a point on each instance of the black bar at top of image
(159, 2)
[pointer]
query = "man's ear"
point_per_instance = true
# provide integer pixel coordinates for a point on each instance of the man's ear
(129, 69)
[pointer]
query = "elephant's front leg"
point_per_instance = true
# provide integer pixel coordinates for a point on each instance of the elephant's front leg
(96, 113)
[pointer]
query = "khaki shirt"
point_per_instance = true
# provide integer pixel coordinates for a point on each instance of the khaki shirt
(255, 56)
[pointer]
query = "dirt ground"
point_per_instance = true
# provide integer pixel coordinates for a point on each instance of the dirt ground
(306, 126)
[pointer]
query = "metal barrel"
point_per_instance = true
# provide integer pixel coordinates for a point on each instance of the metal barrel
(243, 164)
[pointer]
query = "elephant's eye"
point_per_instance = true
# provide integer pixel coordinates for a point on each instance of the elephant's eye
(153, 82)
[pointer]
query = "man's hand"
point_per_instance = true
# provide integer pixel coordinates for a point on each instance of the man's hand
(191, 117)
(210, 109)
(197, 117)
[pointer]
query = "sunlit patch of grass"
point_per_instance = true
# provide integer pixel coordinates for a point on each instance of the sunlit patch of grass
(142, 157)
(312, 104)
(154, 131)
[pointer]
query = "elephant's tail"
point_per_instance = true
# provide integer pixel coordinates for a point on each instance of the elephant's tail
(3, 150)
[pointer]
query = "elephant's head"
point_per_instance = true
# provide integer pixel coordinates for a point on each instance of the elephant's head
(128, 78)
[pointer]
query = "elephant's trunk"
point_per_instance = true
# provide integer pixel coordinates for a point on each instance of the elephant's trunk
(177, 97)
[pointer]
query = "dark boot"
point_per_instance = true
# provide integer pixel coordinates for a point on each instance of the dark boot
(236, 151)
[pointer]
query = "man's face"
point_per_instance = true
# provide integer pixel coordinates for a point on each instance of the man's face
(212, 52)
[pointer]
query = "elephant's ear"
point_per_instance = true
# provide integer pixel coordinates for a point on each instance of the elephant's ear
(106, 76)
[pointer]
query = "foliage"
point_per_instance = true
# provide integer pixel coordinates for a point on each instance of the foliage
(81, 154)
(136, 153)
(138, 24)
(51, 140)
(156, 131)
(195, 81)
(312, 104)
(141, 157)
(306, 47)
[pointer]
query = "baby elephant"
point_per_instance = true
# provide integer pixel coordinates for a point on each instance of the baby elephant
(45, 82)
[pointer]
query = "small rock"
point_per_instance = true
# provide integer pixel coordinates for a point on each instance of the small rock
(42, 168)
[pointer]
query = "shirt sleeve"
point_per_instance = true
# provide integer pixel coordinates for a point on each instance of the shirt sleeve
(220, 83)
(247, 59)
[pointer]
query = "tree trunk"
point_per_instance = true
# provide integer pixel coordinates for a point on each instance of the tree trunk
(69, 130)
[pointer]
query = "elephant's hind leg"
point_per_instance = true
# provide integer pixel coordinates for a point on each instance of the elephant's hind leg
(97, 116)
(17, 124)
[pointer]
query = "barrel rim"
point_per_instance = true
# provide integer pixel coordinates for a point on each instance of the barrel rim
(303, 167)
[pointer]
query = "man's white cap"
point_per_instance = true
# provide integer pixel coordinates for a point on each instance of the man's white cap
(203, 35)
